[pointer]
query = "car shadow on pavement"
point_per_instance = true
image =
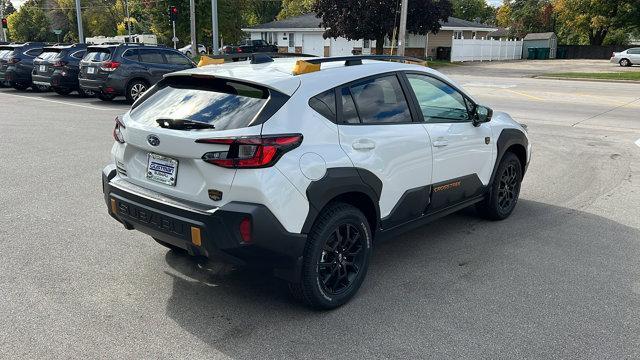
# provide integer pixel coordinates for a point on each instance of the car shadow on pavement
(547, 282)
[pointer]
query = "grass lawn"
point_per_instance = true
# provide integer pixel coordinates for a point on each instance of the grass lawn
(435, 64)
(627, 75)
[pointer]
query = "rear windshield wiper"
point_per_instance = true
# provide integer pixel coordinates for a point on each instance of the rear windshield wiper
(183, 124)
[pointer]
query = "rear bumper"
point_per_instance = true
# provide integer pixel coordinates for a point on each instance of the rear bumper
(17, 76)
(174, 222)
(41, 79)
(107, 86)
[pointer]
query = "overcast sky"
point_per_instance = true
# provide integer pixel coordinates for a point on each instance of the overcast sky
(17, 3)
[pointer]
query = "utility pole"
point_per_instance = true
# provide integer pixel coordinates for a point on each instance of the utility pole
(214, 27)
(403, 27)
(192, 15)
(79, 17)
(4, 31)
(126, 6)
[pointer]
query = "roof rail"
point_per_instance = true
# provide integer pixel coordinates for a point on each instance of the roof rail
(311, 65)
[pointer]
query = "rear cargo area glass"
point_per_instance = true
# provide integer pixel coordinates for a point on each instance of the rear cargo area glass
(97, 55)
(222, 103)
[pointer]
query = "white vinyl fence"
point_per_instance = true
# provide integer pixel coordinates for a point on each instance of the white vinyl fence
(485, 50)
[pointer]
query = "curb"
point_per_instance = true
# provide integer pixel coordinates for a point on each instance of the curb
(585, 79)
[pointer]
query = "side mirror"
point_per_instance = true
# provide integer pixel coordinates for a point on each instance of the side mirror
(482, 114)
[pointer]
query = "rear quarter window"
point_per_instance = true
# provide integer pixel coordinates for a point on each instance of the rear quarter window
(325, 104)
(223, 103)
(97, 55)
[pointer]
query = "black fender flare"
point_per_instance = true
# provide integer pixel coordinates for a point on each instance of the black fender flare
(508, 138)
(339, 181)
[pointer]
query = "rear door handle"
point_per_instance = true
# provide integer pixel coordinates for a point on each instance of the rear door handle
(363, 144)
(441, 143)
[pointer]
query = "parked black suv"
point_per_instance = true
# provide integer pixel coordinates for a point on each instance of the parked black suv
(127, 69)
(20, 64)
(58, 67)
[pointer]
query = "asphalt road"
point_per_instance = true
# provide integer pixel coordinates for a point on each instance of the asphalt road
(558, 279)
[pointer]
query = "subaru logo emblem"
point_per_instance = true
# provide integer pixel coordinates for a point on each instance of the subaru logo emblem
(153, 140)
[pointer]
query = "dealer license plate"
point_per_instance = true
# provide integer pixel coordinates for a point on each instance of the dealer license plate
(162, 169)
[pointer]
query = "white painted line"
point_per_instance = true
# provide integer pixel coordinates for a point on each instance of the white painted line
(638, 142)
(61, 102)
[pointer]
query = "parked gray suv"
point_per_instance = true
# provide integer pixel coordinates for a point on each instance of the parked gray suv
(127, 69)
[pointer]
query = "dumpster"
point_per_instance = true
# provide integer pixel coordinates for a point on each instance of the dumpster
(543, 53)
(533, 53)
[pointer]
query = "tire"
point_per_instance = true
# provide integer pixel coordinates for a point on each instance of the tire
(169, 246)
(625, 63)
(336, 258)
(62, 91)
(202, 52)
(505, 189)
(106, 97)
(86, 93)
(135, 89)
(19, 86)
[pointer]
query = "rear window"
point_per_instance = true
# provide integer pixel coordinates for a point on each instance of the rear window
(97, 55)
(49, 55)
(223, 103)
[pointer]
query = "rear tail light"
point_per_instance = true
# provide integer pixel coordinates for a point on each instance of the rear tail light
(239, 50)
(109, 66)
(251, 152)
(60, 63)
(117, 130)
(13, 60)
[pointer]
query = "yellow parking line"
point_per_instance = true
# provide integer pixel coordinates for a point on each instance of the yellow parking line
(523, 94)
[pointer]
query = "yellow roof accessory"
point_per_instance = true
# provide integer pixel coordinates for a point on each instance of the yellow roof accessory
(205, 60)
(304, 67)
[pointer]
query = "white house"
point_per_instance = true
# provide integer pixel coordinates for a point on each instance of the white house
(303, 34)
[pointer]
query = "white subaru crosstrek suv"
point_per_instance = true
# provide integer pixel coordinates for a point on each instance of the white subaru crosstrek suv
(304, 170)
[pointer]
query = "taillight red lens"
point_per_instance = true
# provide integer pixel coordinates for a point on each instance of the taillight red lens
(13, 60)
(251, 152)
(109, 66)
(245, 230)
(59, 64)
(117, 130)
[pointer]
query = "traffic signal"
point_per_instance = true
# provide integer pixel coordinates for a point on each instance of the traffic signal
(4, 23)
(173, 13)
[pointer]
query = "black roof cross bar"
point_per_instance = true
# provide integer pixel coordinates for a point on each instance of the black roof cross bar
(357, 59)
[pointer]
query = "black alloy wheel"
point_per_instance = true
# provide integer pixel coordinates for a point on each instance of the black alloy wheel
(342, 257)
(335, 258)
(504, 192)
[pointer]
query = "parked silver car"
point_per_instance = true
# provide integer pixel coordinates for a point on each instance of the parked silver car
(627, 57)
(187, 50)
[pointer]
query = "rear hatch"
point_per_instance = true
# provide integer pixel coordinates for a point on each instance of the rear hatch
(92, 64)
(5, 54)
(43, 65)
(161, 152)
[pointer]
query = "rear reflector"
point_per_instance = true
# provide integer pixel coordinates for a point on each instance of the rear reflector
(114, 208)
(251, 152)
(196, 237)
(245, 230)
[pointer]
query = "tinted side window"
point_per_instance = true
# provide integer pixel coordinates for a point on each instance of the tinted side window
(325, 104)
(438, 101)
(381, 100)
(131, 54)
(349, 111)
(176, 59)
(152, 56)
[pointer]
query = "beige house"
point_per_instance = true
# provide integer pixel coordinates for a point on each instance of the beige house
(303, 34)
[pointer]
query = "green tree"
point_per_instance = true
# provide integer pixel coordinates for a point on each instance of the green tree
(292, 8)
(375, 20)
(529, 16)
(473, 10)
(260, 11)
(29, 23)
(7, 7)
(593, 21)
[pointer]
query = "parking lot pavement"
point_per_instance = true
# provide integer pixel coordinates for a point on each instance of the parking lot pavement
(558, 279)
